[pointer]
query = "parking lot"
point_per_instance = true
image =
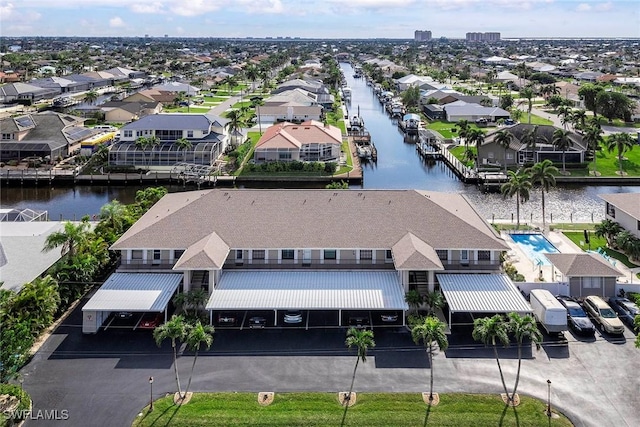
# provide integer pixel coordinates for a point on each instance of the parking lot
(104, 377)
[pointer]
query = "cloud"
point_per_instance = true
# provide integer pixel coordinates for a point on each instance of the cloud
(602, 7)
(267, 6)
(116, 22)
(583, 7)
(194, 7)
(155, 7)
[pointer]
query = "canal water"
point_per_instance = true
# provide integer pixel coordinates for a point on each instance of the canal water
(398, 167)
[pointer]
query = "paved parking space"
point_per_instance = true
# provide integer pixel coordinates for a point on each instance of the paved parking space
(104, 377)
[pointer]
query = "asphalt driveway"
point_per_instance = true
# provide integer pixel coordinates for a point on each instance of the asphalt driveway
(102, 380)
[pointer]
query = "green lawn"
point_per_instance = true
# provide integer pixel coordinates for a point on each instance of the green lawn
(607, 164)
(241, 104)
(323, 409)
(187, 110)
(217, 99)
(448, 129)
(535, 120)
(459, 151)
(595, 243)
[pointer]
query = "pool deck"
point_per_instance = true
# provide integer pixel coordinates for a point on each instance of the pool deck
(531, 272)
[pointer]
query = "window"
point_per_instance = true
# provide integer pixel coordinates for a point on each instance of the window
(284, 156)
(591, 282)
(128, 134)
(189, 134)
(257, 254)
(638, 226)
(388, 255)
(287, 254)
(6, 136)
(366, 254)
(443, 254)
(611, 210)
(484, 255)
(329, 254)
(239, 254)
(178, 253)
(464, 256)
(137, 254)
(156, 256)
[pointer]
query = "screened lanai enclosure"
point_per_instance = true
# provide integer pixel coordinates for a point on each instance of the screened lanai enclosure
(164, 155)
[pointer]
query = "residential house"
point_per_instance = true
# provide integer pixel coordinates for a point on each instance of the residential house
(206, 132)
(125, 112)
(518, 153)
(26, 93)
(46, 135)
(316, 89)
(309, 141)
(460, 110)
(59, 84)
(177, 87)
(624, 208)
(405, 82)
(152, 95)
(330, 253)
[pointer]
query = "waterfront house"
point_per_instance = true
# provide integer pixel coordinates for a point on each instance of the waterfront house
(205, 132)
(25, 93)
(316, 90)
(310, 141)
(44, 135)
(461, 110)
(624, 208)
(330, 253)
(518, 153)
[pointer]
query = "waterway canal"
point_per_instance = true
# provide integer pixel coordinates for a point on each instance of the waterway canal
(398, 167)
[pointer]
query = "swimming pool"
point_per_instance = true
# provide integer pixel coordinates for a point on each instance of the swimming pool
(535, 246)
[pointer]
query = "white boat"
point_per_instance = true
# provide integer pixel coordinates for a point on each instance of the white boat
(356, 123)
(364, 152)
(410, 124)
(65, 101)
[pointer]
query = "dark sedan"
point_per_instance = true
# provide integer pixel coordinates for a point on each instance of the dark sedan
(627, 310)
(576, 317)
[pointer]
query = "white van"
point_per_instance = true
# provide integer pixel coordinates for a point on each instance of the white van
(548, 311)
(106, 128)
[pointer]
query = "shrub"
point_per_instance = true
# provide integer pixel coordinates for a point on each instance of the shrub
(23, 406)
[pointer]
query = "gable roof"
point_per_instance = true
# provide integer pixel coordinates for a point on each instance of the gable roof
(312, 219)
(582, 265)
(210, 251)
(173, 122)
(411, 253)
(285, 135)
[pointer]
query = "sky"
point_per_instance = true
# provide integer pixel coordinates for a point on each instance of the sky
(320, 18)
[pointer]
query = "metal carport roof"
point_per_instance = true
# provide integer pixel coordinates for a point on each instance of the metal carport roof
(481, 293)
(138, 292)
(308, 290)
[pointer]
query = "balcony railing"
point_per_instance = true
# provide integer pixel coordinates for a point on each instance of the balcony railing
(307, 265)
(136, 264)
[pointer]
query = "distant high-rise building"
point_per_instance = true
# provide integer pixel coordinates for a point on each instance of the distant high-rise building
(483, 37)
(422, 36)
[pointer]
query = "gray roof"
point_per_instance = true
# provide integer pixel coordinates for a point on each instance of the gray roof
(482, 293)
(628, 203)
(21, 253)
(174, 121)
(583, 265)
(132, 107)
(262, 219)
(308, 290)
(411, 253)
(52, 129)
(137, 292)
(14, 89)
(545, 135)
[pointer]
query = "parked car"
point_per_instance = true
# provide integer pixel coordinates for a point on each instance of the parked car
(124, 315)
(603, 315)
(576, 317)
(151, 321)
(627, 310)
(226, 319)
(293, 317)
(257, 322)
(389, 317)
(360, 322)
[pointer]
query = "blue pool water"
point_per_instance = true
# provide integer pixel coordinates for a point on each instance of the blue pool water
(535, 246)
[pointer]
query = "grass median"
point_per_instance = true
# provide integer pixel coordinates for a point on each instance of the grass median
(323, 409)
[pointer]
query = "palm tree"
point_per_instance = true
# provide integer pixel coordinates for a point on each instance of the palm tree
(196, 299)
(562, 142)
(503, 138)
(579, 118)
(475, 136)
(362, 339)
(184, 144)
(69, 238)
(622, 142)
(251, 71)
(234, 125)
(434, 301)
(527, 93)
(256, 102)
(91, 96)
(429, 331)
(593, 137)
(175, 329)
(491, 330)
(544, 175)
(519, 185)
(196, 336)
(522, 327)
(623, 239)
(414, 299)
(230, 81)
(608, 229)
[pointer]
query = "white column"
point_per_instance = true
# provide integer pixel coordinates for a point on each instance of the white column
(186, 281)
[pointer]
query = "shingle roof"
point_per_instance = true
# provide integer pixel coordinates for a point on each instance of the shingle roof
(411, 253)
(629, 203)
(311, 219)
(286, 134)
(172, 122)
(583, 265)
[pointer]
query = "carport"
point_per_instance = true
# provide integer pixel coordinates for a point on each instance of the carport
(308, 290)
(131, 292)
(481, 293)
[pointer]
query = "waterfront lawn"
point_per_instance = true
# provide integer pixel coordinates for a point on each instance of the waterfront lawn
(459, 151)
(448, 129)
(245, 151)
(577, 237)
(322, 409)
(607, 164)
